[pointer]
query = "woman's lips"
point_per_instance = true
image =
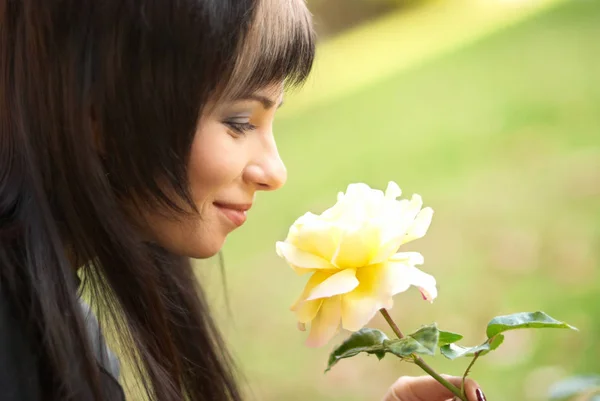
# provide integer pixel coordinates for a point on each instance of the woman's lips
(237, 213)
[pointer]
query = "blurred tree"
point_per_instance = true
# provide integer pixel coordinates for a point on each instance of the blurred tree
(334, 16)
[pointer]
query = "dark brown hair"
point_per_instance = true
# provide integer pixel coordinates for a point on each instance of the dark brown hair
(99, 102)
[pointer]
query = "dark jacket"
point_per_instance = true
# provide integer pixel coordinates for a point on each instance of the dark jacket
(19, 380)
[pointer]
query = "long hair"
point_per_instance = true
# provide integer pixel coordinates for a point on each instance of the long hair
(99, 103)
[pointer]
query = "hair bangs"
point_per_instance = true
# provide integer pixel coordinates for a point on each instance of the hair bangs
(279, 46)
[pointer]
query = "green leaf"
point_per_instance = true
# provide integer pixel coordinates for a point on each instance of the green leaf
(453, 351)
(496, 327)
(423, 341)
(365, 340)
(429, 337)
(575, 386)
(524, 320)
(448, 337)
(405, 347)
(496, 341)
(379, 354)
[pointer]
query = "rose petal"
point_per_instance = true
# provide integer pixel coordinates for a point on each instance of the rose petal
(346, 214)
(306, 311)
(416, 203)
(420, 225)
(361, 191)
(300, 258)
(392, 191)
(358, 247)
(401, 276)
(395, 218)
(388, 250)
(326, 323)
(336, 211)
(412, 209)
(408, 258)
(302, 271)
(358, 311)
(427, 296)
(317, 278)
(360, 305)
(362, 202)
(339, 283)
(316, 236)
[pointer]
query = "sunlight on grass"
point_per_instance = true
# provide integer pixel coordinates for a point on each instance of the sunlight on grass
(379, 50)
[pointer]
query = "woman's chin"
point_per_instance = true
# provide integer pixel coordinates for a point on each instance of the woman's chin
(205, 250)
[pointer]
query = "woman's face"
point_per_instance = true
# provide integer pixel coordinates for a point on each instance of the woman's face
(233, 156)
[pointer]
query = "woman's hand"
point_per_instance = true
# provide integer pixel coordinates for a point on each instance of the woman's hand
(425, 388)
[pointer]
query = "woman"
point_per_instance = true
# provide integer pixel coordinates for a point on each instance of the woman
(133, 135)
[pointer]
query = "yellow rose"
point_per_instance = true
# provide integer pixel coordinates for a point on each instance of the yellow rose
(351, 252)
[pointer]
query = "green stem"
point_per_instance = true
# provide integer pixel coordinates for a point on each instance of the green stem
(421, 363)
(464, 379)
(391, 322)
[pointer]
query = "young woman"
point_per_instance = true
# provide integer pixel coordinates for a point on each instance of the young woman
(134, 135)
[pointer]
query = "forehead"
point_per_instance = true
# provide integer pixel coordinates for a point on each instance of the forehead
(273, 91)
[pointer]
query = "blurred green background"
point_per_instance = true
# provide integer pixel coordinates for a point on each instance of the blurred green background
(491, 111)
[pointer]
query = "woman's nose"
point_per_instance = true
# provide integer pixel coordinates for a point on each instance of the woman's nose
(269, 172)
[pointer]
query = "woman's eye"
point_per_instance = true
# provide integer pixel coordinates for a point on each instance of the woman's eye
(240, 127)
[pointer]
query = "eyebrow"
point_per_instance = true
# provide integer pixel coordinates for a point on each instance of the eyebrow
(265, 101)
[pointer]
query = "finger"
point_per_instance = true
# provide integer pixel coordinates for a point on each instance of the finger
(392, 394)
(426, 388)
(471, 387)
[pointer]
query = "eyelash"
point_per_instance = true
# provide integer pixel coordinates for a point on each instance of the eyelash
(240, 128)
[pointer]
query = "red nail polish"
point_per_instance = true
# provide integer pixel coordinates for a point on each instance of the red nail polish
(480, 396)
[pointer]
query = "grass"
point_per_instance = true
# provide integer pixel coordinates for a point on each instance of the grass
(502, 139)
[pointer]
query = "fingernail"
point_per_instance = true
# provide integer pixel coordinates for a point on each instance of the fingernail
(480, 396)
